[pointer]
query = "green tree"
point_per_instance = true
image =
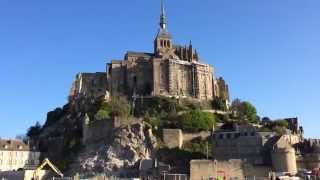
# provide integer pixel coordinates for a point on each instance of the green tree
(196, 120)
(34, 131)
(244, 110)
(219, 103)
(120, 106)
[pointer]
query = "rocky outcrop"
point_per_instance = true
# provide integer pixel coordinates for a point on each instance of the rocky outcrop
(121, 156)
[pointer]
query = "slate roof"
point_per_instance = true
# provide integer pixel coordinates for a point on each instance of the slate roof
(13, 145)
(163, 33)
(134, 53)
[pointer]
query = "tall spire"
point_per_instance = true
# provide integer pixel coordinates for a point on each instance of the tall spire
(163, 18)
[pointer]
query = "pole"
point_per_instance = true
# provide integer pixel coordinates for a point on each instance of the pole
(207, 150)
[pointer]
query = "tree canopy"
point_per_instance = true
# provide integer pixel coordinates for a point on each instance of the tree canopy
(244, 110)
(196, 120)
(34, 131)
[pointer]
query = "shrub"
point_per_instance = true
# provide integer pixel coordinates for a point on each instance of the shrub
(244, 110)
(199, 146)
(34, 131)
(178, 157)
(120, 106)
(219, 103)
(104, 111)
(196, 120)
(153, 121)
(278, 126)
(102, 114)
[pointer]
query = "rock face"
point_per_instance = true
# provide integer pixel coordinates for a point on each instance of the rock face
(78, 143)
(121, 156)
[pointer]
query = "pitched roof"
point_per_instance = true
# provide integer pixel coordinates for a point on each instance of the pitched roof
(13, 145)
(144, 54)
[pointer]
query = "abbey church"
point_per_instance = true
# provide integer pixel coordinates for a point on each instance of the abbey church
(171, 70)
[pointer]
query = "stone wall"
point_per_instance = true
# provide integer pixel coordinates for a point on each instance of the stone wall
(173, 138)
(309, 161)
(284, 160)
(190, 136)
(146, 74)
(203, 81)
(205, 169)
(100, 130)
(234, 144)
(90, 85)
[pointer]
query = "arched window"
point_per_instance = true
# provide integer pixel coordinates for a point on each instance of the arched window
(161, 43)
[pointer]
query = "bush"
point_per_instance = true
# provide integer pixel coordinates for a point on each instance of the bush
(178, 157)
(120, 106)
(153, 121)
(196, 120)
(281, 123)
(219, 103)
(34, 131)
(104, 111)
(244, 110)
(278, 126)
(199, 146)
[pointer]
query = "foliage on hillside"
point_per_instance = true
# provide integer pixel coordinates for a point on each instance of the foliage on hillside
(117, 106)
(244, 111)
(195, 121)
(178, 157)
(34, 130)
(278, 126)
(218, 103)
(164, 112)
(199, 146)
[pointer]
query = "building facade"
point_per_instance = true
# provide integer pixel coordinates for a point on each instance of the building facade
(15, 154)
(171, 70)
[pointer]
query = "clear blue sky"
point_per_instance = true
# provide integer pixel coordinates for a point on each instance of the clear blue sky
(267, 50)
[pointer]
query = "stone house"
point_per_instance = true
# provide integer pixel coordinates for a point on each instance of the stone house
(15, 154)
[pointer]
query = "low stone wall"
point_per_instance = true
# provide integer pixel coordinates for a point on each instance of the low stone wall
(205, 169)
(98, 131)
(190, 136)
(309, 161)
(174, 138)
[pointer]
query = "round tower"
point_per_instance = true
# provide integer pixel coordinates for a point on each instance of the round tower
(284, 159)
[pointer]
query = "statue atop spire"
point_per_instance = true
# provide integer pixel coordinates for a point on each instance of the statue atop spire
(163, 18)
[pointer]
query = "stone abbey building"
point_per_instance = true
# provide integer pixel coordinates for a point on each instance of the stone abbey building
(171, 70)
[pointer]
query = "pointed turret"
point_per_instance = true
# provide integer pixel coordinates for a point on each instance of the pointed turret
(163, 18)
(163, 40)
